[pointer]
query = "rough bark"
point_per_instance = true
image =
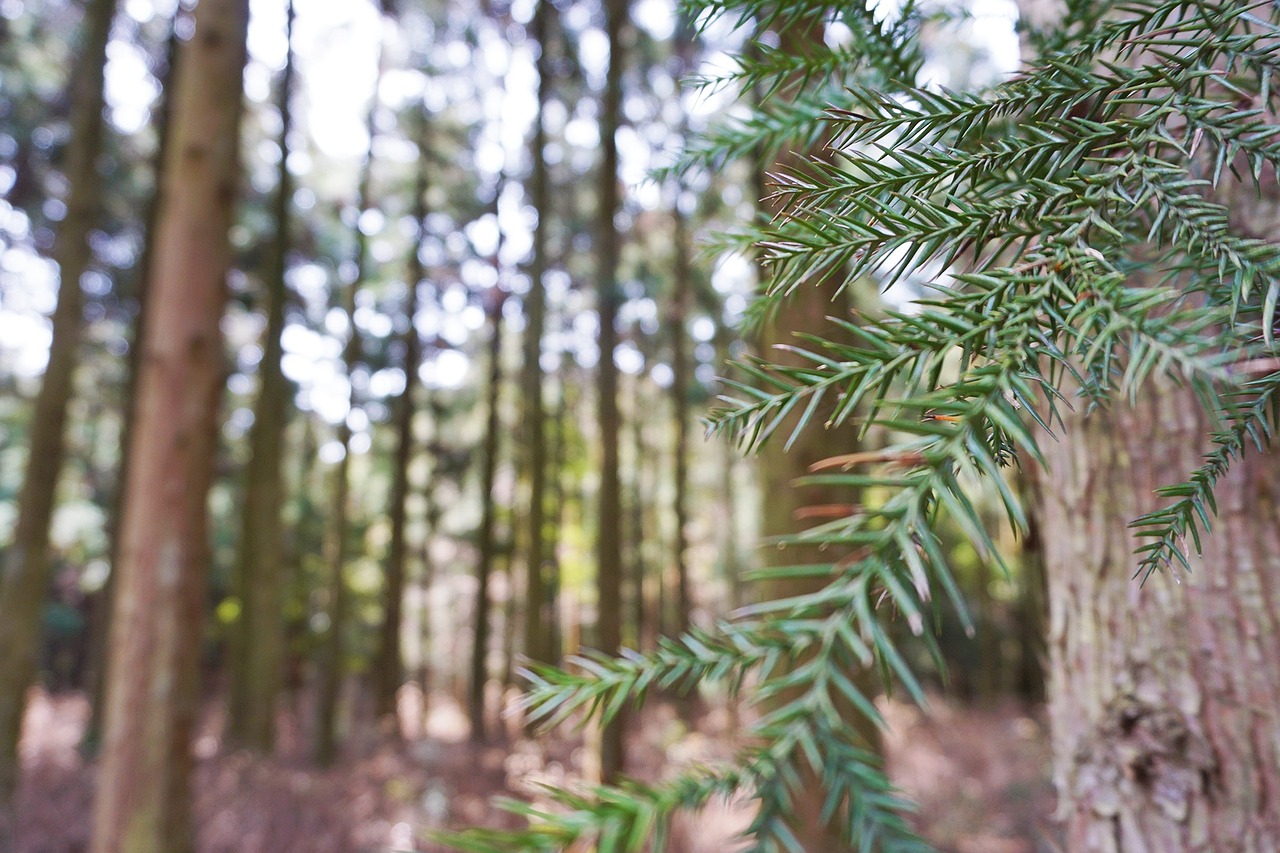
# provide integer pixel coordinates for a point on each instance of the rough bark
(257, 639)
(488, 547)
(536, 645)
(1163, 694)
(388, 668)
(609, 542)
(24, 573)
(143, 801)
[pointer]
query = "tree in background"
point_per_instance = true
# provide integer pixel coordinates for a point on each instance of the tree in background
(257, 640)
(143, 801)
(24, 570)
(1090, 213)
(537, 634)
(609, 532)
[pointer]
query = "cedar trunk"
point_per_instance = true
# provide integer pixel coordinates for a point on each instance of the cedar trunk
(609, 544)
(785, 505)
(143, 795)
(388, 668)
(537, 644)
(488, 545)
(24, 572)
(257, 642)
(1163, 695)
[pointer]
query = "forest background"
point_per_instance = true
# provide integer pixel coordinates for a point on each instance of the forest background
(426, 472)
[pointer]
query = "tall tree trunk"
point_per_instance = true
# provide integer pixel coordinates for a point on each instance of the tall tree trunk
(389, 664)
(488, 547)
(100, 619)
(609, 543)
(679, 309)
(331, 667)
(536, 645)
(257, 640)
(784, 507)
(24, 573)
(639, 620)
(329, 663)
(559, 506)
(1163, 694)
(143, 798)
(431, 512)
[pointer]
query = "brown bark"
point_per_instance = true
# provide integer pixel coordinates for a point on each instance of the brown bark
(257, 639)
(609, 542)
(101, 612)
(536, 634)
(24, 573)
(1163, 694)
(143, 802)
(804, 313)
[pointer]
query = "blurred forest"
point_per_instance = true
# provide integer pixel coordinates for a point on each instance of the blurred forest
(441, 390)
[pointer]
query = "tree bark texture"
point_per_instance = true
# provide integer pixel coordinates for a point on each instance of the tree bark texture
(24, 573)
(143, 797)
(257, 640)
(609, 544)
(1164, 696)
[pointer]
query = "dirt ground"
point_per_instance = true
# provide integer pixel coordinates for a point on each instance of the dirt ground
(979, 776)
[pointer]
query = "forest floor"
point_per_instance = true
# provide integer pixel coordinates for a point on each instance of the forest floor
(979, 776)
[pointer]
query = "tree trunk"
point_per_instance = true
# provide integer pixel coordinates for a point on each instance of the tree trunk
(389, 664)
(257, 639)
(24, 573)
(484, 567)
(785, 506)
(609, 542)
(1163, 694)
(329, 664)
(331, 660)
(536, 645)
(640, 496)
(100, 617)
(679, 309)
(143, 799)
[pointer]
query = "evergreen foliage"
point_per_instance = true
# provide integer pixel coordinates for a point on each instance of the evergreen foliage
(1068, 225)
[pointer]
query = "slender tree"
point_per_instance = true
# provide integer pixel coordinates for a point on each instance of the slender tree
(331, 667)
(389, 663)
(101, 613)
(536, 644)
(496, 298)
(257, 640)
(608, 296)
(24, 572)
(678, 310)
(143, 797)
